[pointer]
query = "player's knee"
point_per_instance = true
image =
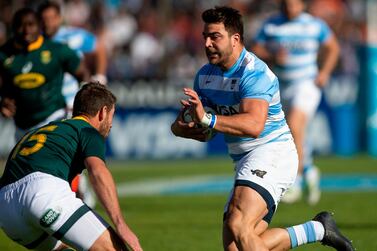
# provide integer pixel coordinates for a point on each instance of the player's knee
(108, 241)
(241, 229)
(236, 226)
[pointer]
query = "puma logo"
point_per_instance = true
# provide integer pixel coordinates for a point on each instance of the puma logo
(258, 173)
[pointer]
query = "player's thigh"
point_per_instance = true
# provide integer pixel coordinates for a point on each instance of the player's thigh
(61, 214)
(303, 96)
(268, 170)
(247, 204)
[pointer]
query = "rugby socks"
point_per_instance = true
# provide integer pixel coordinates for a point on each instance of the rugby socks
(308, 232)
(307, 168)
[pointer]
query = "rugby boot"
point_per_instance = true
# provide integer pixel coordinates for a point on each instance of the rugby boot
(333, 237)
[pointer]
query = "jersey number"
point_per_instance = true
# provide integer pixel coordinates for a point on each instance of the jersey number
(39, 138)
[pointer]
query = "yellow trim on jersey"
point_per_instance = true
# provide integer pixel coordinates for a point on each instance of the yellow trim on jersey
(81, 117)
(37, 44)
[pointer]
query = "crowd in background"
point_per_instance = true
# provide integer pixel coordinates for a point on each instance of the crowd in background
(161, 40)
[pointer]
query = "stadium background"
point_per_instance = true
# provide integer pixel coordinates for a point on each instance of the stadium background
(154, 48)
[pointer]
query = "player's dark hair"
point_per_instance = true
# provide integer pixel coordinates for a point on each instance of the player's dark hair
(91, 98)
(49, 4)
(231, 18)
(18, 16)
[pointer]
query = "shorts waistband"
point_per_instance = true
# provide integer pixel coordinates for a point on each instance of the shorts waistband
(27, 178)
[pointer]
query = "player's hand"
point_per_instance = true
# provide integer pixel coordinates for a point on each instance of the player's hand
(322, 79)
(102, 79)
(129, 237)
(195, 104)
(8, 107)
(188, 130)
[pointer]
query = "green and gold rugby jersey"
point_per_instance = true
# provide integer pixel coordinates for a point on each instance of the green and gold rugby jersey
(34, 78)
(58, 148)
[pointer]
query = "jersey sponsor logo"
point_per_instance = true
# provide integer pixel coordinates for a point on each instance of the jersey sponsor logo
(46, 57)
(258, 173)
(29, 80)
(226, 110)
(49, 217)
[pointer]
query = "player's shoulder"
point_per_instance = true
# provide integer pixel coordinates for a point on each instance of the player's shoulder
(252, 63)
(74, 36)
(275, 19)
(49, 43)
(255, 67)
(82, 126)
(60, 49)
(309, 18)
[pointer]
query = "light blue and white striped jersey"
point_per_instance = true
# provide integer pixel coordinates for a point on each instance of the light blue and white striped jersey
(249, 77)
(301, 38)
(82, 42)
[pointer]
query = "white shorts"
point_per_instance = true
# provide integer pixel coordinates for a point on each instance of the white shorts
(304, 96)
(39, 210)
(270, 169)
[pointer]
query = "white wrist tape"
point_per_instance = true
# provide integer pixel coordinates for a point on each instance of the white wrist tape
(208, 120)
(102, 79)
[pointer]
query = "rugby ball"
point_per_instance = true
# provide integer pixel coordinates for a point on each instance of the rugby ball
(209, 132)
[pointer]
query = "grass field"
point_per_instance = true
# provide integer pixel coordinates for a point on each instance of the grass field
(192, 222)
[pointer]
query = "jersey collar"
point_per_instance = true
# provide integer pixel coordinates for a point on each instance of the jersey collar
(81, 118)
(36, 44)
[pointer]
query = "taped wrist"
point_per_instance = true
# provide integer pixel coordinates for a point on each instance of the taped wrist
(208, 120)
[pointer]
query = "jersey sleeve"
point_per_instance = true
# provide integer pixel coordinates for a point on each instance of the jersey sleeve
(89, 42)
(7, 89)
(325, 31)
(259, 85)
(69, 58)
(92, 143)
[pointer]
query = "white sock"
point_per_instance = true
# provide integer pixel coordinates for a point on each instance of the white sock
(308, 232)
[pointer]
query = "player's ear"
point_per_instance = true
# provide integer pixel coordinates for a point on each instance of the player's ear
(102, 113)
(236, 38)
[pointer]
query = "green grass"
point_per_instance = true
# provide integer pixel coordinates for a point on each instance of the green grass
(193, 222)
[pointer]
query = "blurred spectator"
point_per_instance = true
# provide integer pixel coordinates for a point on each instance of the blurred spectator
(76, 13)
(159, 39)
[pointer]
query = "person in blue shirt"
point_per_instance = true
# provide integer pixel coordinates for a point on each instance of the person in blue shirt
(244, 93)
(84, 43)
(290, 43)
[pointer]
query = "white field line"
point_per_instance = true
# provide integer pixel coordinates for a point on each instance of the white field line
(158, 186)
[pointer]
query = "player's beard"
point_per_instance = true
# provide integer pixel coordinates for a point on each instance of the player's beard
(104, 127)
(222, 55)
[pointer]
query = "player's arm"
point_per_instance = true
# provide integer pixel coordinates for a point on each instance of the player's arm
(82, 72)
(104, 187)
(330, 53)
(7, 107)
(101, 62)
(73, 64)
(248, 123)
(7, 103)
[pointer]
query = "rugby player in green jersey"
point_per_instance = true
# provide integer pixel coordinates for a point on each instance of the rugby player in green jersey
(32, 69)
(38, 208)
